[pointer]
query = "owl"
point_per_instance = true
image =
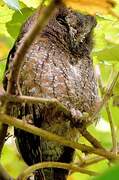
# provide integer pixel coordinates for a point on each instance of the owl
(57, 65)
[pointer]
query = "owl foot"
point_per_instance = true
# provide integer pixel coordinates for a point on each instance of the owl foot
(79, 118)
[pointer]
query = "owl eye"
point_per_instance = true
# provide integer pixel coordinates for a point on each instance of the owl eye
(61, 19)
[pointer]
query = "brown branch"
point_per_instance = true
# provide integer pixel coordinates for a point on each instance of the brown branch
(3, 174)
(27, 99)
(71, 167)
(52, 137)
(90, 138)
(34, 100)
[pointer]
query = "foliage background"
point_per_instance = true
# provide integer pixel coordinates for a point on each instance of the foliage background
(105, 55)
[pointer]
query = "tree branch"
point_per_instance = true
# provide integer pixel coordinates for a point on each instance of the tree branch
(34, 100)
(63, 108)
(71, 167)
(52, 137)
(90, 161)
(90, 138)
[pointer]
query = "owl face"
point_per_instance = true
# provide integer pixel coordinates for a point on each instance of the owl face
(79, 26)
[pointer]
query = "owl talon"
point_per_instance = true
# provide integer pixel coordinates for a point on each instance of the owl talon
(76, 114)
(79, 118)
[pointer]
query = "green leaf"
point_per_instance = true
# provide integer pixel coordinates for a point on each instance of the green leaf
(5, 16)
(110, 53)
(111, 174)
(11, 160)
(18, 19)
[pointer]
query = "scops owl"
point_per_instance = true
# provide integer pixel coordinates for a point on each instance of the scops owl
(57, 65)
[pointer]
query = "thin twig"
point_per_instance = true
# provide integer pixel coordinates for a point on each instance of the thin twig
(113, 132)
(80, 157)
(71, 167)
(106, 97)
(90, 138)
(27, 99)
(52, 137)
(90, 161)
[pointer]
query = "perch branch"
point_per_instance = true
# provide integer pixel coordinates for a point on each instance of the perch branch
(71, 167)
(52, 137)
(27, 99)
(34, 100)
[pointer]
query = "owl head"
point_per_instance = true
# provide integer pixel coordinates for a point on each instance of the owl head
(79, 28)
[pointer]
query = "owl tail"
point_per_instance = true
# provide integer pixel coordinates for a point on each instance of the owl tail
(50, 174)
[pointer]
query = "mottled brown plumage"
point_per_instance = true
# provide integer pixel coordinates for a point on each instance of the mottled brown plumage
(57, 65)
